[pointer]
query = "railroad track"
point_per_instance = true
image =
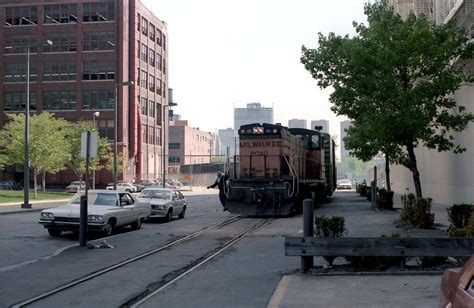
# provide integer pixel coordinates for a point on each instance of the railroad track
(145, 295)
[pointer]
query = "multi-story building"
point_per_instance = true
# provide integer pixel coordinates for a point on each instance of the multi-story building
(98, 48)
(229, 142)
(323, 123)
(452, 180)
(188, 145)
(254, 113)
(297, 123)
(344, 127)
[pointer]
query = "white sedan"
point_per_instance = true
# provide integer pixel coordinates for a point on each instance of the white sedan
(164, 202)
(107, 210)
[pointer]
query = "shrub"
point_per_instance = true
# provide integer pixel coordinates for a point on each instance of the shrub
(470, 227)
(380, 263)
(416, 211)
(362, 189)
(330, 226)
(407, 207)
(458, 216)
(385, 199)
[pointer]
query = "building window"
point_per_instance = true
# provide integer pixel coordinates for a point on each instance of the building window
(95, 70)
(65, 42)
(158, 136)
(138, 22)
(158, 36)
(16, 72)
(152, 57)
(151, 108)
(152, 32)
(54, 71)
(98, 41)
(144, 55)
(144, 133)
(98, 12)
(19, 44)
(158, 113)
(164, 66)
(144, 26)
(106, 128)
(158, 61)
(174, 146)
(158, 86)
(152, 83)
(174, 159)
(164, 90)
(152, 135)
(60, 14)
(21, 16)
(144, 80)
(16, 101)
(64, 100)
(103, 99)
(144, 105)
(164, 42)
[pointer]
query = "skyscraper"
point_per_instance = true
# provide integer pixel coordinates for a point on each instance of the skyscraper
(297, 123)
(254, 113)
(323, 123)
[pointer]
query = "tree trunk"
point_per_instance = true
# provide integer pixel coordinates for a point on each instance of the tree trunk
(387, 172)
(35, 184)
(414, 170)
(44, 182)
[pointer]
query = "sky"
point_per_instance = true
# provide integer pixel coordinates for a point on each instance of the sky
(226, 53)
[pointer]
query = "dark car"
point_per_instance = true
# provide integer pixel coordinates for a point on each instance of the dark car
(10, 185)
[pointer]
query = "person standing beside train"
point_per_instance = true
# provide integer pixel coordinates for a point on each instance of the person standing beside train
(221, 183)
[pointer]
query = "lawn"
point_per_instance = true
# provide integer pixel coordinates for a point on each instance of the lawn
(7, 196)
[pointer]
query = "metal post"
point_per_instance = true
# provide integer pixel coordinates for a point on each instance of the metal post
(307, 262)
(374, 189)
(115, 136)
(93, 170)
(164, 145)
(83, 209)
(26, 165)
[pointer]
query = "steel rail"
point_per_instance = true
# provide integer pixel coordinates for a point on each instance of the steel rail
(122, 263)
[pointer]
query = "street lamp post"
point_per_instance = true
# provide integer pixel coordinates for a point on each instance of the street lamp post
(94, 115)
(163, 148)
(117, 85)
(26, 164)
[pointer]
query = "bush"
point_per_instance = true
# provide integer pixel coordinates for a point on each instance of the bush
(330, 226)
(362, 189)
(385, 199)
(380, 263)
(470, 227)
(416, 211)
(461, 223)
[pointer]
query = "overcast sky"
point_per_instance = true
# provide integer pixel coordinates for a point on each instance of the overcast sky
(229, 53)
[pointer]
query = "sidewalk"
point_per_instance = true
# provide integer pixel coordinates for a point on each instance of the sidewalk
(344, 289)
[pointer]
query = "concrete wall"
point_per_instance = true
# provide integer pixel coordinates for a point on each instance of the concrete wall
(446, 177)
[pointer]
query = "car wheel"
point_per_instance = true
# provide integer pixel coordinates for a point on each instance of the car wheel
(136, 225)
(181, 215)
(169, 216)
(127, 190)
(54, 232)
(108, 229)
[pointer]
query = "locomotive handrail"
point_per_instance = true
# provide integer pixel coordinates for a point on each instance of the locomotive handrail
(294, 177)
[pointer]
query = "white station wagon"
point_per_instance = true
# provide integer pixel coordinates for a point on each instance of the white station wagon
(106, 210)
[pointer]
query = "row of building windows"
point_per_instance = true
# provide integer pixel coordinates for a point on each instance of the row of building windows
(57, 71)
(147, 81)
(174, 159)
(60, 100)
(148, 55)
(60, 14)
(65, 42)
(150, 135)
(148, 29)
(174, 145)
(150, 108)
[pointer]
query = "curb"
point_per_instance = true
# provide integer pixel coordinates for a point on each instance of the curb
(20, 211)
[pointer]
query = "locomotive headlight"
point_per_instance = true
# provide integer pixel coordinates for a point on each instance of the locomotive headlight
(242, 131)
(275, 130)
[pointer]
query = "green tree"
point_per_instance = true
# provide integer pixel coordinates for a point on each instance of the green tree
(48, 150)
(397, 76)
(76, 162)
(353, 169)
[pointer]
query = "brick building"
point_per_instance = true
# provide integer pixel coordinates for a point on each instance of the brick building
(98, 46)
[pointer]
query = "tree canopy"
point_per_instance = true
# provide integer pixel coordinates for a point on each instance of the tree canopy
(395, 79)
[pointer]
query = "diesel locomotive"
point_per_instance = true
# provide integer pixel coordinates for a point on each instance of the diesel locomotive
(277, 168)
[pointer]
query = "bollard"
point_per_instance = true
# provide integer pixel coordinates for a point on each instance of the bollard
(373, 194)
(307, 262)
(83, 222)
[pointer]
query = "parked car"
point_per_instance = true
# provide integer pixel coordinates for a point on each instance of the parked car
(107, 210)
(76, 186)
(10, 185)
(148, 183)
(457, 286)
(123, 186)
(164, 202)
(344, 184)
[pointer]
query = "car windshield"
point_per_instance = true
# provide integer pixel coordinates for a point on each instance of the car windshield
(97, 199)
(155, 194)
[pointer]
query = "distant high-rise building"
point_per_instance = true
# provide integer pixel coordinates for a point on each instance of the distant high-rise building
(229, 140)
(344, 126)
(254, 113)
(323, 123)
(297, 123)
